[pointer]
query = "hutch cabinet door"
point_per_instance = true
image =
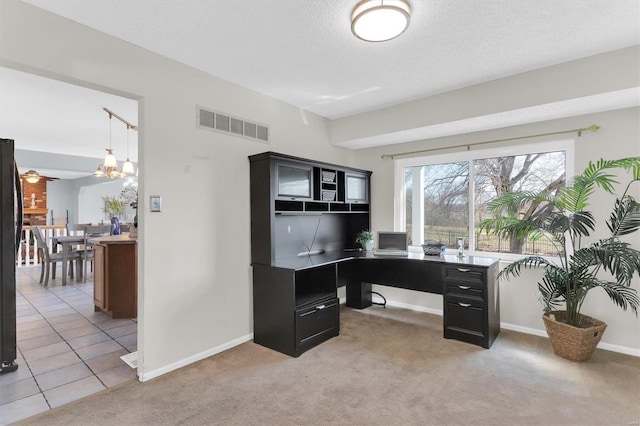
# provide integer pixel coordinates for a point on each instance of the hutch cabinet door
(356, 188)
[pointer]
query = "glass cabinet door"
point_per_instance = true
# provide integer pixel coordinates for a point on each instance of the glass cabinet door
(356, 188)
(294, 181)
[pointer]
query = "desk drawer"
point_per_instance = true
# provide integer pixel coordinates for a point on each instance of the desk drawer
(465, 321)
(316, 324)
(464, 290)
(465, 316)
(464, 273)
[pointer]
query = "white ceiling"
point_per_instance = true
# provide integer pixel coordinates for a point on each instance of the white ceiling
(47, 115)
(303, 52)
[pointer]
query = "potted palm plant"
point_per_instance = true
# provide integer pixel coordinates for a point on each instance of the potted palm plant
(581, 264)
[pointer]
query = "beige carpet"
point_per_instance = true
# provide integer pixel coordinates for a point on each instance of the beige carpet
(388, 367)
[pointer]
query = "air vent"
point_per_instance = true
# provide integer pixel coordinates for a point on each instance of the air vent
(225, 123)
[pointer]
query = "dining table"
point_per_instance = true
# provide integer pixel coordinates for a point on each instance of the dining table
(66, 242)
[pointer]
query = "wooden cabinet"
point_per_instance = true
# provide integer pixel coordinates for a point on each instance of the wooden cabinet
(115, 277)
(99, 300)
(470, 305)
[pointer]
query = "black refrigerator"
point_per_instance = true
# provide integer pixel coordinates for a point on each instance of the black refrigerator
(10, 234)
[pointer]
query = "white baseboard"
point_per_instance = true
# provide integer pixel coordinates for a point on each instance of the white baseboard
(526, 330)
(415, 307)
(343, 300)
(617, 348)
(194, 358)
(606, 346)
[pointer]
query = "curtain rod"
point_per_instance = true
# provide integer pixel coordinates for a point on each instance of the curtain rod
(129, 125)
(592, 128)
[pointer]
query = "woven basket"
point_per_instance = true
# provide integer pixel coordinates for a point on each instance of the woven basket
(573, 343)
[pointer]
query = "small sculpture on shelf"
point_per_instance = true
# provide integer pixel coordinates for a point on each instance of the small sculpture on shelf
(460, 246)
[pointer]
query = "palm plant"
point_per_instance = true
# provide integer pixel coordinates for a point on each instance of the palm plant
(562, 218)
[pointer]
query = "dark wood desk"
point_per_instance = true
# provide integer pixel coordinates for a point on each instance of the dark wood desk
(307, 285)
(295, 304)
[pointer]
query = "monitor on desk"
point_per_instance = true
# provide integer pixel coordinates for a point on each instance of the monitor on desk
(391, 243)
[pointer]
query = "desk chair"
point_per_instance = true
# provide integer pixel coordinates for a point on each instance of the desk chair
(51, 258)
(87, 253)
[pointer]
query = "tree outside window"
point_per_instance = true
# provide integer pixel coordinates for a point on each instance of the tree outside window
(446, 201)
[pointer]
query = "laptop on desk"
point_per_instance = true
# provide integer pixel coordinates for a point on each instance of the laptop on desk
(391, 244)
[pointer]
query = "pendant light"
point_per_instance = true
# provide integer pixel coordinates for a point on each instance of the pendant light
(99, 172)
(127, 167)
(110, 159)
(380, 20)
(110, 166)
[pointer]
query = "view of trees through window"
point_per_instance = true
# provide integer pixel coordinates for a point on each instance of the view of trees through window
(446, 194)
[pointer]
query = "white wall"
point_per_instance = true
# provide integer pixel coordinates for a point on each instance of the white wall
(195, 293)
(82, 199)
(90, 202)
(61, 199)
(618, 137)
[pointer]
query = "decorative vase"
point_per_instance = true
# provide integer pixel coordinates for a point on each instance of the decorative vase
(570, 342)
(368, 246)
(115, 226)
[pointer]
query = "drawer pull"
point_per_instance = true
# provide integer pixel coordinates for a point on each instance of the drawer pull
(464, 269)
(464, 305)
(321, 307)
(464, 287)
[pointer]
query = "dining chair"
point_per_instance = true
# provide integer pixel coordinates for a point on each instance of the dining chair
(77, 229)
(49, 259)
(91, 231)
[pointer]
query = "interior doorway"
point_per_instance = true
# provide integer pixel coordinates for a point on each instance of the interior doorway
(61, 131)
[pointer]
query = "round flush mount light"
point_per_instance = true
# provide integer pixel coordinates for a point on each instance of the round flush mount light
(31, 176)
(380, 20)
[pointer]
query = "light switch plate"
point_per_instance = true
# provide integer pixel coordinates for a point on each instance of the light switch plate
(156, 203)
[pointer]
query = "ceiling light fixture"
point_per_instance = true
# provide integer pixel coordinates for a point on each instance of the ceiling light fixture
(380, 20)
(31, 176)
(127, 167)
(110, 166)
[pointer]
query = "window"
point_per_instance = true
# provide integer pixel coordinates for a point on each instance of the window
(444, 197)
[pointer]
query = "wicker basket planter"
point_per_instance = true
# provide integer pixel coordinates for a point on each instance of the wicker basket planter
(573, 343)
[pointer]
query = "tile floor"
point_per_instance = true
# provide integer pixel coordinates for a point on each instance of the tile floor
(66, 351)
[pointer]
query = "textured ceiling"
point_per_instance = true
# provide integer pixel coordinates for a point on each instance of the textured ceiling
(303, 52)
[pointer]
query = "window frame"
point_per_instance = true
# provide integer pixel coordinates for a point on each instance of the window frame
(399, 214)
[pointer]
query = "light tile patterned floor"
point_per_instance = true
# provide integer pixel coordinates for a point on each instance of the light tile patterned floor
(66, 351)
